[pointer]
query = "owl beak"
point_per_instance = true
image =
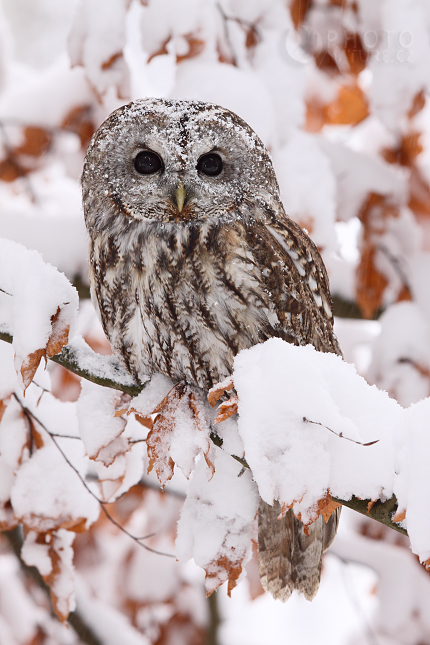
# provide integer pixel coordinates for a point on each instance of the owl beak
(180, 195)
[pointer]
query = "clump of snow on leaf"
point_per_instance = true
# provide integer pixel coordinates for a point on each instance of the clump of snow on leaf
(216, 524)
(36, 295)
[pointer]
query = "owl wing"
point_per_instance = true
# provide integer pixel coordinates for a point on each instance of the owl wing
(289, 558)
(293, 273)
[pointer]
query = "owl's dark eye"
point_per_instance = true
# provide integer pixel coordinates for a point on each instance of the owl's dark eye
(148, 162)
(210, 164)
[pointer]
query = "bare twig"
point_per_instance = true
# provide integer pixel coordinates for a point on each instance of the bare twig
(93, 367)
(381, 511)
(340, 435)
(103, 505)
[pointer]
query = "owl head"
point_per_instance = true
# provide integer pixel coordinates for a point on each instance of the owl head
(174, 161)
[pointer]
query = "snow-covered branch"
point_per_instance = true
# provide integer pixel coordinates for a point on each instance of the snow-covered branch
(80, 359)
(107, 371)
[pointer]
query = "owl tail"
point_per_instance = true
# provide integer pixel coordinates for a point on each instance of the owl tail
(287, 558)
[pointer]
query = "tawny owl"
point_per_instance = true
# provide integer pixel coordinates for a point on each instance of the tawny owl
(193, 259)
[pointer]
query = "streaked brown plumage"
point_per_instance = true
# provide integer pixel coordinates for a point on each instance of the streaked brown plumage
(189, 267)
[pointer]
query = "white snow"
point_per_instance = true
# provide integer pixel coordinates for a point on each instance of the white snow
(217, 518)
(34, 293)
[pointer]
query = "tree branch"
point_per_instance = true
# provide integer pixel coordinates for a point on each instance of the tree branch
(109, 372)
(80, 359)
(380, 511)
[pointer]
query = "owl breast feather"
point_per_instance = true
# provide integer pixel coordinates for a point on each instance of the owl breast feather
(183, 300)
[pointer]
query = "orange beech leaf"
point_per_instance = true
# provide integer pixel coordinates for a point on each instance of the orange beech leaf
(355, 53)
(349, 108)
(119, 413)
(161, 51)
(144, 421)
(418, 103)
(36, 142)
(252, 37)
(195, 47)
(59, 335)
(8, 521)
(327, 506)
(419, 197)
(325, 61)
(110, 62)
(370, 505)
(315, 118)
(57, 340)
(227, 409)
(60, 580)
(399, 516)
(426, 564)
(306, 222)
(29, 366)
(299, 9)
(216, 392)
(160, 436)
(284, 509)
(159, 439)
(371, 284)
(11, 169)
(80, 121)
(218, 571)
(406, 152)
(3, 405)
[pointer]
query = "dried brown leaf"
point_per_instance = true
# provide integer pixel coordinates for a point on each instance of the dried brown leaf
(216, 392)
(399, 516)
(11, 169)
(29, 366)
(195, 47)
(144, 421)
(61, 604)
(299, 9)
(59, 335)
(356, 54)
(110, 62)
(406, 152)
(80, 121)
(8, 521)
(159, 437)
(58, 338)
(326, 62)
(221, 570)
(370, 505)
(417, 104)
(349, 108)
(3, 405)
(36, 142)
(161, 51)
(327, 506)
(227, 409)
(375, 215)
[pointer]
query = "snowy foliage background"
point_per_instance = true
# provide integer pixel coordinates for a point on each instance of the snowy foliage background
(338, 91)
